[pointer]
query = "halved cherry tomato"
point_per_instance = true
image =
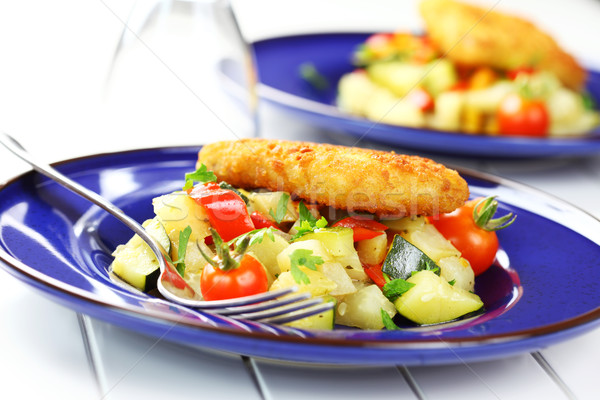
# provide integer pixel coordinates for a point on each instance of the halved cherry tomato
(520, 116)
(250, 277)
(421, 98)
(363, 228)
(473, 232)
(226, 210)
(374, 272)
(260, 221)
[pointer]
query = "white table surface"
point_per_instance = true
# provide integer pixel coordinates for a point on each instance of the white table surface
(54, 61)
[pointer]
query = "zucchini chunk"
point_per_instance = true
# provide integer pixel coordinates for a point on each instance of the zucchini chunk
(433, 300)
(403, 259)
(135, 263)
(324, 320)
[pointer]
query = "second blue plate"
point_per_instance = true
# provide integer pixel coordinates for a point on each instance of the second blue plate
(279, 60)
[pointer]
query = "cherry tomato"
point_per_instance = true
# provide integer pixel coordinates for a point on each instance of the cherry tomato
(520, 116)
(473, 233)
(363, 228)
(246, 279)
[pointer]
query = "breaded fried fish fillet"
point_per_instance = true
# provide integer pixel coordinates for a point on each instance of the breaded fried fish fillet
(474, 36)
(349, 178)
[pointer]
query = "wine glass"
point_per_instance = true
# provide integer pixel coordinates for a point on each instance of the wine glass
(181, 74)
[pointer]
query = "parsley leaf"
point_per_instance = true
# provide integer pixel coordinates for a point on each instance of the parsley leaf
(303, 257)
(304, 214)
(202, 175)
(308, 222)
(388, 322)
(282, 205)
(452, 282)
(184, 237)
(396, 288)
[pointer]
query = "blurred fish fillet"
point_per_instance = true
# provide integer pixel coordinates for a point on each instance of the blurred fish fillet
(354, 179)
(474, 36)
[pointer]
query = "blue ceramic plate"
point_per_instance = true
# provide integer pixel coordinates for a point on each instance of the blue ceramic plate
(542, 290)
(278, 62)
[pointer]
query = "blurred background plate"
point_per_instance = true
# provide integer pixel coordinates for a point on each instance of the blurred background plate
(278, 63)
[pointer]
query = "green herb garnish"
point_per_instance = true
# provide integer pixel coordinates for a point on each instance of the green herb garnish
(282, 206)
(388, 322)
(303, 257)
(202, 175)
(308, 222)
(396, 288)
(588, 101)
(184, 237)
(309, 73)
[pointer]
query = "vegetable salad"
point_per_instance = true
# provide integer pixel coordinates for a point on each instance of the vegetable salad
(228, 242)
(403, 79)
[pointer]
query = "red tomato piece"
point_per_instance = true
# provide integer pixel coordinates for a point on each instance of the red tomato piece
(227, 212)
(249, 278)
(519, 116)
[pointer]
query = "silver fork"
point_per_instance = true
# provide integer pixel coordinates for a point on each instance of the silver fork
(276, 307)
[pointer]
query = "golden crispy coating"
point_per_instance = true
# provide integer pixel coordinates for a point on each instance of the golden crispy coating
(348, 178)
(474, 36)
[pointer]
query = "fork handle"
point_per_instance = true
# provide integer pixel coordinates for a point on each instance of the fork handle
(45, 169)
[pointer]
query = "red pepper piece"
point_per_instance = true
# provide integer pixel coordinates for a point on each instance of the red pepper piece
(226, 210)
(260, 221)
(364, 228)
(374, 272)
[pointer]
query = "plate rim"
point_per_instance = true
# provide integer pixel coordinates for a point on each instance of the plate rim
(580, 322)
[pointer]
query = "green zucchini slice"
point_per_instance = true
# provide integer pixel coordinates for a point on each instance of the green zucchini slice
(403, 259)
(135, 263)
